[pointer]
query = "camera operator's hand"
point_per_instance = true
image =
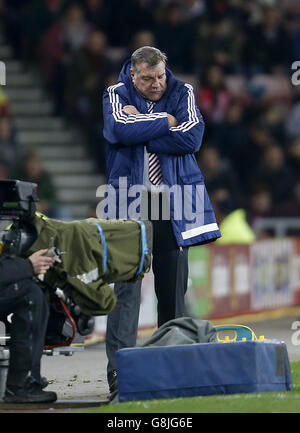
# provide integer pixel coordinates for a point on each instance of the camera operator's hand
(41, 263)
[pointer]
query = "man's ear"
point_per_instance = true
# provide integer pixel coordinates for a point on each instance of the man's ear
(131, 74)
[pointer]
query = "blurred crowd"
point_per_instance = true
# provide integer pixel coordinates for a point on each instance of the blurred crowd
(238, 55)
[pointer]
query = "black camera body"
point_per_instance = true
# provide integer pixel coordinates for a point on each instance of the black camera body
(17, 210)
(17, 198)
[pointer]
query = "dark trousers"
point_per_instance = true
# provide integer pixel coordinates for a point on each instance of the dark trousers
(170, 269)
(30, 311)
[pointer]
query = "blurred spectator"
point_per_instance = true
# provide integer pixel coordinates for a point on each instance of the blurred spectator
(292, 123)
(194, 9)
(296, 41)
(4, 103)
(4, 174)
(86, 73)
(201, 48)
(293, 157)
(259, 138)
(290, 209)
(274, 173)
(259, 204)
(37, 19)
(11, 17)
(62, 39)
(91, 212)
(218, 175)
(291, 206)
(273, 120)
(238, 9)
(140, 39)
(267, 43)
(218, 43)
(125, 19)
(9, 149)
(222, 203)
(226, 44)
(174, 35)
(86, 78)
(213, 97)
(30, 170)
(96, 14)
(231, 136)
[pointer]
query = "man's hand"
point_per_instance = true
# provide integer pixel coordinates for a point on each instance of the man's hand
(130, 109)
(40, 263)
(172, 120)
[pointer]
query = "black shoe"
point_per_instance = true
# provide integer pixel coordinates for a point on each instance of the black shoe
(112, 381)
(113, 384)
(29, 394)
(43, 383)
(113, 398)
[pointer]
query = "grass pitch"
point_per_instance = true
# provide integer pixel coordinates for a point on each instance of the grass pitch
(263, 402)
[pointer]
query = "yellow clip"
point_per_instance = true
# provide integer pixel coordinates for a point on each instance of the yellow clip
(261, 337)
(227, 338)
(240, 332)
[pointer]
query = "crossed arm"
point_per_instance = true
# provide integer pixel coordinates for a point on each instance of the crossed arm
(163, 132)
(131, 109)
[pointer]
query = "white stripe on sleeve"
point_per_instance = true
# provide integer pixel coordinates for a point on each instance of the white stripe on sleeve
(120, 116)
(191, 108)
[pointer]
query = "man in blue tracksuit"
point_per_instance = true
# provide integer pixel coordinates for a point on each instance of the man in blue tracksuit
(153, 129)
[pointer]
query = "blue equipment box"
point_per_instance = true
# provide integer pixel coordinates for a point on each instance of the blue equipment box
(146, 373)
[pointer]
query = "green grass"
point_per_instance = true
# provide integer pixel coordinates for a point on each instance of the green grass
(263, 402)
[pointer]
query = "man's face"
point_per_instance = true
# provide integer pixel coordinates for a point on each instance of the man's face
(151, 83)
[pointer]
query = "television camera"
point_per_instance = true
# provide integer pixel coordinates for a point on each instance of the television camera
(67, 324)
(17, 210)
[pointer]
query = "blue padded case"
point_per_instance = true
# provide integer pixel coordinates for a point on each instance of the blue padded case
(146, 373)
